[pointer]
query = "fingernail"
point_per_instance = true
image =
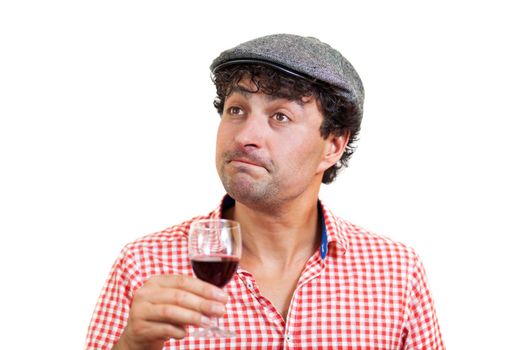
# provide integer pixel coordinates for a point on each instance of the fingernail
(205, 321)
(221, 295)
(218, 308)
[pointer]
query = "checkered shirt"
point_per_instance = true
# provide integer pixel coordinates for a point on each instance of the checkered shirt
(358, 291)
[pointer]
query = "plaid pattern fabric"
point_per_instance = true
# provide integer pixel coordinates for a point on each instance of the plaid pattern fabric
(362, 291)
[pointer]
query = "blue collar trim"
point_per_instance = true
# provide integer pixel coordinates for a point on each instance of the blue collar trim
(323, 248)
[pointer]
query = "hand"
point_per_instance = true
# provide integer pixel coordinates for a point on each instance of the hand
(164, 306)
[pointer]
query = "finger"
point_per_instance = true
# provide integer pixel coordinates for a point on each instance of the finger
(150, 331)
(175, 315)
(193, 285)
(186, 300)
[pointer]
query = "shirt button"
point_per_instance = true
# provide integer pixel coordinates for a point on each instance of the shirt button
(249, 285)
(289, 337)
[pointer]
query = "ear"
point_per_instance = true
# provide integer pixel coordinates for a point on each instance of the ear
(333, 149)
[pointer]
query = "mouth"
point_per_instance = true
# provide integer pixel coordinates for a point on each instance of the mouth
(245, 161)
(244, 164)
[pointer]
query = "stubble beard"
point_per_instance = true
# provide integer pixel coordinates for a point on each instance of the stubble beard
(258, 194)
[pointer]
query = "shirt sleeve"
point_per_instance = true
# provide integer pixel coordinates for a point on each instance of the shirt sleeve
(111, 311)
(422, 331)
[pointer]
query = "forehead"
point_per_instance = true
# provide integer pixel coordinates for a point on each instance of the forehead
(272, 90)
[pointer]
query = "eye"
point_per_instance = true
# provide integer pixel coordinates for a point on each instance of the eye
(280, 117)
(234, 110)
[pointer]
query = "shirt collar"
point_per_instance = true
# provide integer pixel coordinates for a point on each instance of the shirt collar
(336, 230)
(332, 231)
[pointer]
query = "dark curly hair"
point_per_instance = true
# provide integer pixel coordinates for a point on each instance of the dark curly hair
(340, 114)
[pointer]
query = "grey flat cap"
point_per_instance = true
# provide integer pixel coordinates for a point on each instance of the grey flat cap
(304, 57)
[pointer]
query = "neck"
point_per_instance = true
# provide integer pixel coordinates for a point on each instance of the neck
(279, 238)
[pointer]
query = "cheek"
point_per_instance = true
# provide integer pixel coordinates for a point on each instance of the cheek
(220, 138)
(302, 157)
(224, 141)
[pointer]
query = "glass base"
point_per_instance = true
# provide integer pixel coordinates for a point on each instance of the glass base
(212, 332)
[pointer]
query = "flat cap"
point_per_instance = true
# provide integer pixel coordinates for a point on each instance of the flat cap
(304, 57)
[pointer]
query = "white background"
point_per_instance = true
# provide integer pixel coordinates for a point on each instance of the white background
(107, 134)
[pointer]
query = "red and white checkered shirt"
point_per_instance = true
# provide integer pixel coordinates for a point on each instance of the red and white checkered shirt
(358, 291)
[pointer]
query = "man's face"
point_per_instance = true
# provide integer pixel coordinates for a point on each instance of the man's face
(269, 150)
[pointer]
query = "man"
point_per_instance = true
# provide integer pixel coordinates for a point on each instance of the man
(291, 110)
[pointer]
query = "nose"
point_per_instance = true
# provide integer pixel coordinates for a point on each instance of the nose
(251, 132)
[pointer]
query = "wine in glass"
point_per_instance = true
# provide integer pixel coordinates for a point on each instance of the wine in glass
(215, 247)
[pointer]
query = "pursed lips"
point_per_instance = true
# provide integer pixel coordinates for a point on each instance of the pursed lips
(245, 161)
(239, 159)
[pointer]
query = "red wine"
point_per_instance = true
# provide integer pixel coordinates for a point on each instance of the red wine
(216, 269)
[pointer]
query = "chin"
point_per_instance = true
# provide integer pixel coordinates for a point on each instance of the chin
(251, 193)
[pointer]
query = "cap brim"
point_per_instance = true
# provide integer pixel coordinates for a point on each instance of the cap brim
(266, 63)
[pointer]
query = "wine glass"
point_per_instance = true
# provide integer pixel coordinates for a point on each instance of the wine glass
(215, 246)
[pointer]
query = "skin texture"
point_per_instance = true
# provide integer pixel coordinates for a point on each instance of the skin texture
(269, 151)
(164, 305)
(271, 158)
